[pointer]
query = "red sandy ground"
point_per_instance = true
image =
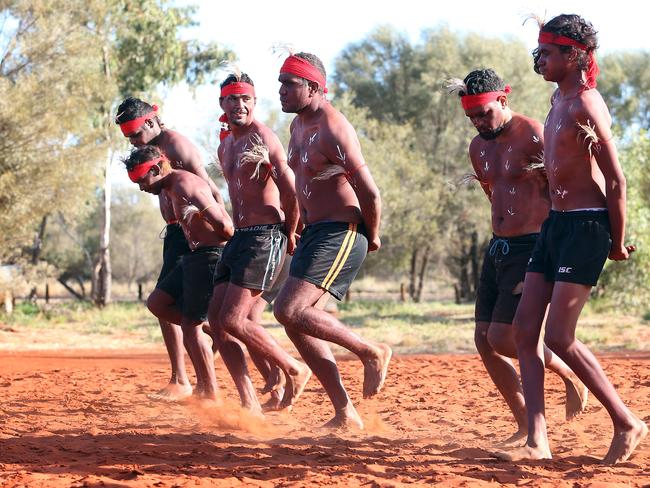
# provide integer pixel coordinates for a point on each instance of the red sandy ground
(83, 419)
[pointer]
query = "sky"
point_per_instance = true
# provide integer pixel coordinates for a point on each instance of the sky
(250, 28)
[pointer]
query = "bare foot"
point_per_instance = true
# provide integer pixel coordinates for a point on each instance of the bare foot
(576, 397)
(374, 371)
(624, 442)
(275, 402)
(173, 392)
(514, 440)
(274, 382)
(295, 385)
(346, 419)
(524, 453)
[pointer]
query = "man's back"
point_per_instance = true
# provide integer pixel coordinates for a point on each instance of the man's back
(191, 199)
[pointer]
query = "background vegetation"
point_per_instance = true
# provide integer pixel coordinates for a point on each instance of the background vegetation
(64, 67)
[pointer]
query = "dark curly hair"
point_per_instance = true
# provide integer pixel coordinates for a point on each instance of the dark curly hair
(482, 81)
(132, 108)
(244, 78)
(316, 63)
(576, 28)
(140, 155)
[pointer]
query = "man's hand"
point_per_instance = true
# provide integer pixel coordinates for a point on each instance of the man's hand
(622, 253)
(374, 244)
(291, 243)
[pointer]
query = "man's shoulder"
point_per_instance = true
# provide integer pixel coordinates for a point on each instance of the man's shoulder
(527, 123)
(266, 133)
(333, 121)
(174, 141)
(589, 101)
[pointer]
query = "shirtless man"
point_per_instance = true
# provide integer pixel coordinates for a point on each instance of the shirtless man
(585, 227)
(207, 227)
(505, 155)
(265, 210)
(140, 123)
(340, 207)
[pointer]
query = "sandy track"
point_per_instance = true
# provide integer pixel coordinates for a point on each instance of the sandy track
(83, 419)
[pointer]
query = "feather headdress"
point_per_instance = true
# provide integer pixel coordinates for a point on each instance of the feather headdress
(283, 49)
(456, 85)
(231, 68)
(539, 20)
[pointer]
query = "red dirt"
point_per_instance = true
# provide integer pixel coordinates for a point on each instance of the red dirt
(83, 419)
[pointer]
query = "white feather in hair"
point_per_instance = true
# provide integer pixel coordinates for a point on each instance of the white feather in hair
(456, 85)
(283, 49)
(231, 68)
(539, 20)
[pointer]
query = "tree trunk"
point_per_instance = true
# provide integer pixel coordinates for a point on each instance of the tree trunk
(413, 275)
(36, 253)
(421, 274)
(102, 295)
(102, 291)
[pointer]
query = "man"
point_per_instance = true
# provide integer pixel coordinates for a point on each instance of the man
(207, 227)
(140, 123)
(340, 207)
(261, 188)
(586, 225)
(503, 156)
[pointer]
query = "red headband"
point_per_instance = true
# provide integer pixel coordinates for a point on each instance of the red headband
(304, 69)
(142, 169)
(130, 126)
(238, 88)
(592, 70)
(471, 101)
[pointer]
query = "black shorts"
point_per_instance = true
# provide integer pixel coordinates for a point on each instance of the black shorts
(572, 246)
(174, 248)
(502, 277)
(329, 255)
(198, 271)
(280, 278)
(253, 257)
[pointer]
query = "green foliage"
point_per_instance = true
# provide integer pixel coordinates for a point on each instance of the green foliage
(625, 284)
(48, 149)
(625, 86)
(426, 135)
(65, 68)
(400, 86)
(148, 49)
(136, 246)
(409, 190)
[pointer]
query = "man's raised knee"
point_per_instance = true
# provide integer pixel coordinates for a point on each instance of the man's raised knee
(284, 313)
